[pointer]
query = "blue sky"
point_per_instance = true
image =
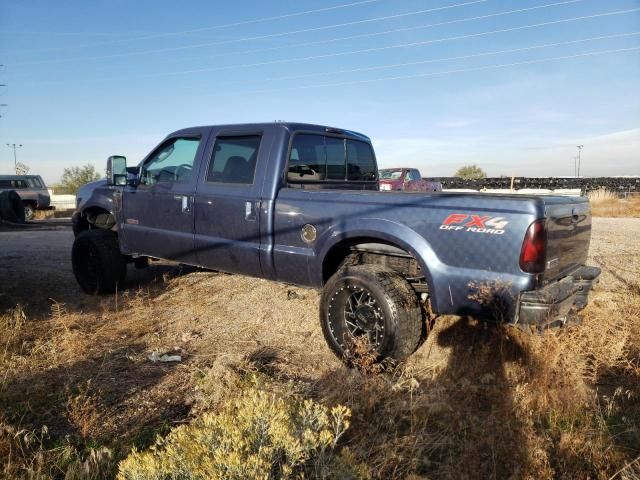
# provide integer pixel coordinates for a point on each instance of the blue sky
(435, 83)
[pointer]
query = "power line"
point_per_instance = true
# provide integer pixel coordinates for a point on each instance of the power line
(263, 37)
(402, 45)
(388, 47)
(259, 20)
(214, 27)
(444, 59)
(458, 57)
(79, 34)
(405, 45)
(398, 30)
(448, 72)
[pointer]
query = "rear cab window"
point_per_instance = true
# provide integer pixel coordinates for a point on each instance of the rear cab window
(318, 158)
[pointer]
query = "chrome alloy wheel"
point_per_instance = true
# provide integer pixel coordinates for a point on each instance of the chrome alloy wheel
(353, 310)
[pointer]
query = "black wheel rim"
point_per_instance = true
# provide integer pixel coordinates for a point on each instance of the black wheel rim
(355, 313)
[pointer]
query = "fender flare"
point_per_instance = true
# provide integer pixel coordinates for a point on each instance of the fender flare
(80, 215)
(97, 205)
(384, 230)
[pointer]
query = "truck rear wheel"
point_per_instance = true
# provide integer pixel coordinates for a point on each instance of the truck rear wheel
(98, 265)
(373, 304)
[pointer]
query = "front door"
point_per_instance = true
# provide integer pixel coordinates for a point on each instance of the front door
(228, 203)
(158, 213)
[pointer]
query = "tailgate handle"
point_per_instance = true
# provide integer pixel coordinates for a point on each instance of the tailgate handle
(575, 214)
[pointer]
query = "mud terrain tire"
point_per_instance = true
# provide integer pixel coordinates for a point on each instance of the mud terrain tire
(98, 265)
(375, 303)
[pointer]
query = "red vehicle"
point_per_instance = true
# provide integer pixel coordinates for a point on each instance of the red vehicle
(406, 179)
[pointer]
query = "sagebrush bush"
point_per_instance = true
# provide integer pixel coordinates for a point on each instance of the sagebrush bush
(261, 435)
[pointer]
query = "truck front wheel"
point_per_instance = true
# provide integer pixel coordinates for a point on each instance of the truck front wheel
(371, 304)
(98, 265)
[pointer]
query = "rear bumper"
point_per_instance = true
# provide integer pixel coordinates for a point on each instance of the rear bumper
(552, 305)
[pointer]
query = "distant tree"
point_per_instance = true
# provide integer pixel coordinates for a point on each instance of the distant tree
(470, 172)
(74, 177)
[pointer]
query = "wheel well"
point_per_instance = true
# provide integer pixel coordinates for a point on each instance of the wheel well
(373, 251)
(33, 203)
(96, 217)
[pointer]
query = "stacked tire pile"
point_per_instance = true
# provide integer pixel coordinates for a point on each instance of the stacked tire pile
(586, 184)
(11, 208)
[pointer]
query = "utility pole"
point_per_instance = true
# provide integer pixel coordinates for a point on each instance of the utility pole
(580, 147)
(2, 85)
(15, 159)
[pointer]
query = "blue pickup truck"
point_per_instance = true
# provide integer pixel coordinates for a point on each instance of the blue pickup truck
(299, 203)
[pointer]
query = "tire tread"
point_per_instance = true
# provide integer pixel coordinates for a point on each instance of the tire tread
(113, 264)
(401, 299)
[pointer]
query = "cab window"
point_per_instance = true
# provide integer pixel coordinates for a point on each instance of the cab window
(308, 158)
(316, 158)
(361, 163)
(234, 159)
(171, 162)
(414, 175)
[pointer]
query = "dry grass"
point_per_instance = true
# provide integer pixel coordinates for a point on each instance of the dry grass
(607, 204)
(78, 391)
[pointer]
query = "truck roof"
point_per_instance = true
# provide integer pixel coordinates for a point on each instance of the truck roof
(291, 126)
(17, 177)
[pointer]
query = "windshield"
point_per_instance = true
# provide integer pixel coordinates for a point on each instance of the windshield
(390, 174)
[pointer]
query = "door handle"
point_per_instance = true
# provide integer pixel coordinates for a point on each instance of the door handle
(249, 211)
(185, 202)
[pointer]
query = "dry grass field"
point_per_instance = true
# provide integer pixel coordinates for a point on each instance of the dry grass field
(78, 389)
(605, 204)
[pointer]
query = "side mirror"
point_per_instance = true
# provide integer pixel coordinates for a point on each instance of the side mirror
(117, 170)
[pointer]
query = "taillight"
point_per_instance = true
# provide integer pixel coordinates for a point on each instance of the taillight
(534, 248)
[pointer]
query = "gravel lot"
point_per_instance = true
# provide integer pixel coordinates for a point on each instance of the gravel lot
(615, 247)
(36, 268)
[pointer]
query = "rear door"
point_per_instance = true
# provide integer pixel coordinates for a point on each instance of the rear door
(228, 203)
(158, 213)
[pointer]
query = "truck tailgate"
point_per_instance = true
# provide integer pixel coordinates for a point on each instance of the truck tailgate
(568, 235)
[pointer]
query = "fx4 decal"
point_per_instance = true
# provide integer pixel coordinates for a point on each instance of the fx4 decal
(475, 223)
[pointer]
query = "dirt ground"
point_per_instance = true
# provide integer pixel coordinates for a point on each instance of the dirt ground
(88, 373)
(36, 268)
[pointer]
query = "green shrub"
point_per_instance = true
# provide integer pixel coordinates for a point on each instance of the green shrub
(260, 435)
